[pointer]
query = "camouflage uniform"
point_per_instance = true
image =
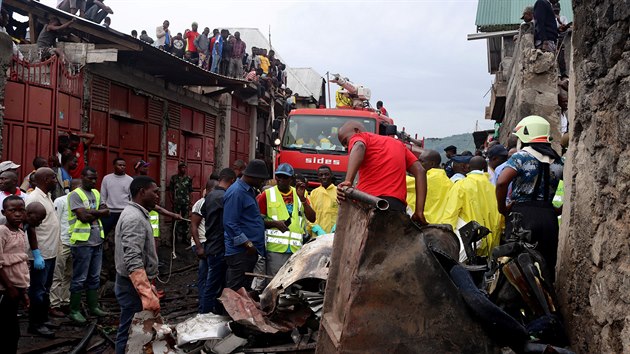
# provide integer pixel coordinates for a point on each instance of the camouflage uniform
(181, 187)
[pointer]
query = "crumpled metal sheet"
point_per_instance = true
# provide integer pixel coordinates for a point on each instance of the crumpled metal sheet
(244, 310)
(312, 261)
(202, 327)
(149, 334)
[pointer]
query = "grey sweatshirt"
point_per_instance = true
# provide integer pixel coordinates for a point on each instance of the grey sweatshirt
(135, 247)
(115, 191)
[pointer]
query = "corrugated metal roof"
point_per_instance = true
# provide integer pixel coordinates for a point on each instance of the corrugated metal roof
(306, 82)
(498, 15)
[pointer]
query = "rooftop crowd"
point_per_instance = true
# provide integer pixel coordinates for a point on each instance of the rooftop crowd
(222, 53)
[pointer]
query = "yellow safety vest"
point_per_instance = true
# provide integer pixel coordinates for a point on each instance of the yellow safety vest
(290, 241)
(80, 231)
(154, 218)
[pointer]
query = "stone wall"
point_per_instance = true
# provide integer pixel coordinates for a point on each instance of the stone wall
(532, 85)
(593, 279)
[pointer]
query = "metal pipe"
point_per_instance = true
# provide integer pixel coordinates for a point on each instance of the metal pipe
(355, 194)
(79, 348)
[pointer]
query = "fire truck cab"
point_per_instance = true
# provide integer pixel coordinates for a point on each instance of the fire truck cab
(309, 139)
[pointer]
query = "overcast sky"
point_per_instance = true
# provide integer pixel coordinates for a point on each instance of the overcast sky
(413, 55)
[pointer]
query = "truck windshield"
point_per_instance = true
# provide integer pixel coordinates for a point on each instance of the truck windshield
(318, 133)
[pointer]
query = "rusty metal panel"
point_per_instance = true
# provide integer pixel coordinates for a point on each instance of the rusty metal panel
(113, 132)
(194, 171)
(193, 148)
(153, 137)
(387, 292)
(243, 143)
(40, 105)
(154, 168)
(14, 101)
(39, 143)
(186, 122)
(98, 126)
(63, 110)
(15, 143)
(198, 123)
(155, 111)
(172, 143)
(208, 150)
(210, 125)
(98, 159)
(243, 122)
(138, 107)
(75, 113)
(132, 135)
(174, 115)
(100, 93)
(119, 98)
(45, 144)
(31, 140)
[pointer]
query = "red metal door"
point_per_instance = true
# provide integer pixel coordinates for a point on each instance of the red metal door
(124, 127)
(41, 100)
(240, 131)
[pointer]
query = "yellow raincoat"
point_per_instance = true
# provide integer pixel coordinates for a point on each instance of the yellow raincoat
(324, 202)
(474, 198)
(438, 186)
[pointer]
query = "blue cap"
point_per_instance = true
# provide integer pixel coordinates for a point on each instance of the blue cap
(461, 159)
(285, 169)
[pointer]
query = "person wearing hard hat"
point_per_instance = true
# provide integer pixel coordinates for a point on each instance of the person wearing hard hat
(534, 171)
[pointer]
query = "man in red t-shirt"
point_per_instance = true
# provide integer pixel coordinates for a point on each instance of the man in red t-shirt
(190, 41)
(382, 163)
(79, 147)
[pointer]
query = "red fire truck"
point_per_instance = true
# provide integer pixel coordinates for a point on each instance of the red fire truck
(307, 138)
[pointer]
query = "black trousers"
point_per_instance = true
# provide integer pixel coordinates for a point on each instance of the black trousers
(540, 218)
(237, 266)
(9, 324)
(395, 204)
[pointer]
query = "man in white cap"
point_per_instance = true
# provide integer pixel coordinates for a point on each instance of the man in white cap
(8, 166)
(8, 186)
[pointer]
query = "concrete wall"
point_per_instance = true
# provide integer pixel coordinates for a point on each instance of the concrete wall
(532, 85)
(594, 252)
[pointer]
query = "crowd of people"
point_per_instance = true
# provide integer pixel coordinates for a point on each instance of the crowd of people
(245, 224)
(222, 53)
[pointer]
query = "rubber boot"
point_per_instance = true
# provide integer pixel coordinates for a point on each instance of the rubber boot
(75, 308)
(92, 301)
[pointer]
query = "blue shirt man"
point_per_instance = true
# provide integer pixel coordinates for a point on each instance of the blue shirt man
(244, 227)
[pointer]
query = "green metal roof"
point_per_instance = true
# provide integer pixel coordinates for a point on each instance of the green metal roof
(500, 15)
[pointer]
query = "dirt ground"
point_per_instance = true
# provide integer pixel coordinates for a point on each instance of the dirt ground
(178, 303)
